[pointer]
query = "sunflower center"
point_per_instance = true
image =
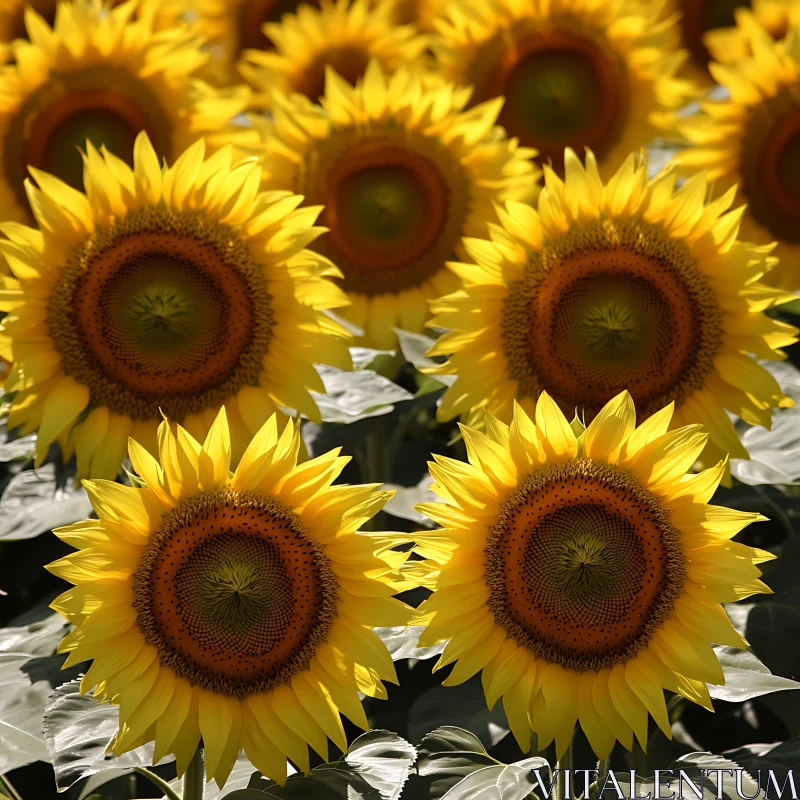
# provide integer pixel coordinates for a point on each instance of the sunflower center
(161, 312)
(771, 167)
(561, 90)
(612, 310)
(254, 13)
(234, 593)
(583, 565)
(390, 215)
(104, 106)
(349, 61)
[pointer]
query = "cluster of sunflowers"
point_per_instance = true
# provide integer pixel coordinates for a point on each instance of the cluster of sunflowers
(203, 200)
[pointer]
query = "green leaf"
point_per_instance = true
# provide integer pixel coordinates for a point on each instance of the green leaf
(376, 767)
(406, 497)
(78, 730)
(509, 782)
(33, 504)
(746, 677)
(725, 785)
(414, 346)
(447, 756)
(404, 643)
(463, 706)
(774, 454)
(352, 396)
(780, 757)
(23, 447)
(27, 671)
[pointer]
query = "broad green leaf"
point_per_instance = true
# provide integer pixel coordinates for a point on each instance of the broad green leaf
(404, 643)
(33, 504)
(774, 454)
(509, 782)
(356, 395)
(27, 672)
(463, 706)
(375, 767)
(414, 346)
(746, 677)
(78, 730)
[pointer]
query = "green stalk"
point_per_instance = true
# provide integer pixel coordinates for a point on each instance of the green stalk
(8, 787)
(603, 766)
(158, 782)
(372, 462)
(564, 765)
(194, 779)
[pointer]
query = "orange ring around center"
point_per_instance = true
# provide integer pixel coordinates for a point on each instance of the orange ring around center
(555, 40)
(558, 377)
(141, 378)
(583, 641)
(299, 561)
(432, 190)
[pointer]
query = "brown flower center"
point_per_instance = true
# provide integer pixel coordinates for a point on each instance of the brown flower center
(162, 312)
(615, 307)
(234, 593)
(562, 89)
(104, 105)
(583, 565)
(393, 218)
(254, 13)
(770, 166)
(700, 16)
(349, 61)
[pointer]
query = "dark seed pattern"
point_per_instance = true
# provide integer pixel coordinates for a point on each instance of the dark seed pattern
(583, 565)
(234, 593)
(142, 352)
(657, 335)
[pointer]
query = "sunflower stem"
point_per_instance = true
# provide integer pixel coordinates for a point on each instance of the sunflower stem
(158, 782)
(603, 767)
(373, 466)
(194, 780)
(563, 770)
(8, 787)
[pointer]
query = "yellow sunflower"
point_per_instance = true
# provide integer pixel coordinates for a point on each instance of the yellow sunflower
(584, 575)
(100, 75)
(733, 42)
(631, 285)
(175, 290)
(578, 73)
(343, 34)
(403, 173)
(752, 139)
(235, 607)
(12, 16)
(422, 13)
(236, 25)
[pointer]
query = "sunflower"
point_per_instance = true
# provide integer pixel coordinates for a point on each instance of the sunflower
(734, 42)
(708, 28)
(235, 607)
(345, 35)
(422, 13)
(752, 139)
(584, 575)
(175, 290)
(578, 73)
(12, 16)
(99, 75)
(404, 173)
(632, 284)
